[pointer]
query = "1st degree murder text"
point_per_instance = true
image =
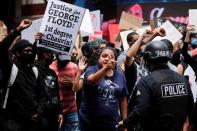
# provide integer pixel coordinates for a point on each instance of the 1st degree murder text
(62, 18)
(66, 42)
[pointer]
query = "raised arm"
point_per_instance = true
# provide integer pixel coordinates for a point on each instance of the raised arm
(133, 49)
(156, 32)
(78, 83)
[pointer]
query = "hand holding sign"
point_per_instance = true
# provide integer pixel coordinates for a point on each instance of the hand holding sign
(159, 32)
(38, 36)
(190, 27)
(149, 32)
(144, 33)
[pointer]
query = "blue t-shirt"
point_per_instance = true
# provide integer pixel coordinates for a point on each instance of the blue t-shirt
(100, 103)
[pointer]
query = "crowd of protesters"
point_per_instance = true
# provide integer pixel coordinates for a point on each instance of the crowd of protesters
(98, 87)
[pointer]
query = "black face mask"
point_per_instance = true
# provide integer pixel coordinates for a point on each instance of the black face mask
(26, 58)
(74, 59)
(49, 60)
(63, 63)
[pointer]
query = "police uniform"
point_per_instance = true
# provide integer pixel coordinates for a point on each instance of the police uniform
(163, 101)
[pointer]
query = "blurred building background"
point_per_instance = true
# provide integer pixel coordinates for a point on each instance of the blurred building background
(15, 10)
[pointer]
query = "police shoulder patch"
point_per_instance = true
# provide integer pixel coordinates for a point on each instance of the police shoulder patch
(138, 92)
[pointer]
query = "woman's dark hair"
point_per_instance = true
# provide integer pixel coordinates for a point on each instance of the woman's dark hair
(90, 47)
(93, 60)
(109, 44)
(86, 49)
(110, 48)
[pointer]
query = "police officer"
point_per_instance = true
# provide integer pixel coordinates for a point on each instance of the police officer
(163, 98)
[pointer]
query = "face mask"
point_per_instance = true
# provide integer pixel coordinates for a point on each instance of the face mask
(26, 58)
(49, 60)
(74, 59)
(63, 63)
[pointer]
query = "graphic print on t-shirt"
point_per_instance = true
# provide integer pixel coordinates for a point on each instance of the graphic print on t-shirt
(107, 91)
(49, 81)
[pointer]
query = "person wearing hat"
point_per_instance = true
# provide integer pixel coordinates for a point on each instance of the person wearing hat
(163, 98)
(66, 70)
(22, 108)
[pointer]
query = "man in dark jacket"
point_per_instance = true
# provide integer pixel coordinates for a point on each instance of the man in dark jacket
(22, 108)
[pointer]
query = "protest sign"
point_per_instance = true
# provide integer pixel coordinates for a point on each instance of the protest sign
(102, 17)
(128, 21)
(86, 25)
(159, 21)
(141, 30)
(192, 80)
(123, 36)
(96, 20)
(95, 36)
(178, 25)
(172, 34)
(91, 23)
(113, 32)
(60, 25)
(29, 33)
(156, 22)
(192, 18)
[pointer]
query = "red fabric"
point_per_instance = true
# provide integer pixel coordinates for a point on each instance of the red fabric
(67, 96)
(194, 52)
(113, 32)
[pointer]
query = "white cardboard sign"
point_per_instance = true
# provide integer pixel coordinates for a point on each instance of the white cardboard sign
(29, 33)
(86, 25)
(172, 34)
(123, 36)
(60, 25)
(96, 20)
(192, 18)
